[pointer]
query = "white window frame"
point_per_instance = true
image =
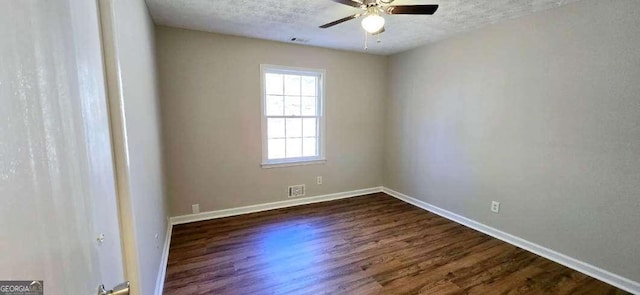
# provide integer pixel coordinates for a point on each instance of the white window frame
(321, 102)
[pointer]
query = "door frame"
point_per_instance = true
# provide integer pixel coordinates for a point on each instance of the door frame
(117, 123)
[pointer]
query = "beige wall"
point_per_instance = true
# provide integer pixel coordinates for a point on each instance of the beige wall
(137, 142)
(540, 113)
(210, 89)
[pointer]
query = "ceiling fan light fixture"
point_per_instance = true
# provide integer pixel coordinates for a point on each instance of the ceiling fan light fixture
(373, 23)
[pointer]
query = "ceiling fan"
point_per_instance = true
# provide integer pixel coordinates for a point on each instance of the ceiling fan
(373, 22)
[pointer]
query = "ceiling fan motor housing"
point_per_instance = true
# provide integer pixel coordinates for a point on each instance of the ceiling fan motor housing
(370, 3)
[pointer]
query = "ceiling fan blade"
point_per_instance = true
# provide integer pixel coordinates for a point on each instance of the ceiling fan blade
(352, 3)
(411, 9)
(333, 23)
(379, 32)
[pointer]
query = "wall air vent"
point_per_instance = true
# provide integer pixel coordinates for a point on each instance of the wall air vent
(296, 191)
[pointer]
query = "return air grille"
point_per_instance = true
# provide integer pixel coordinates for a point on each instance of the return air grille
(296, 191)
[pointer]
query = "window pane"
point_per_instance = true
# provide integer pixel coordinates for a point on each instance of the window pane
(308, 106)
(275, 105)
(289, 96)
(294, 127)
(294, 147)
(308, 85)
(275, 128)
(274, 83)
(276, 149)
(291, 85)
(292, 106)
(309, 147)
(309, 126)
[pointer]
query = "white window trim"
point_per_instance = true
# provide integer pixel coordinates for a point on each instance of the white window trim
(322, 101)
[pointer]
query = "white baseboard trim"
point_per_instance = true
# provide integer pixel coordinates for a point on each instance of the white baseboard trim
(163, 262)
(270, 206)
(583, 267)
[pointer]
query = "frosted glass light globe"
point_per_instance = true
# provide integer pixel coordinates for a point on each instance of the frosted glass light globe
(373, 23)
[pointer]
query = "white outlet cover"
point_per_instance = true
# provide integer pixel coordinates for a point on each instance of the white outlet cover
(495, 207)
(195, 208)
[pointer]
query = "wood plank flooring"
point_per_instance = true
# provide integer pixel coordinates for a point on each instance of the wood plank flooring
(373, 244)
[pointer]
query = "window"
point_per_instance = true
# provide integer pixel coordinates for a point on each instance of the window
(292, 116)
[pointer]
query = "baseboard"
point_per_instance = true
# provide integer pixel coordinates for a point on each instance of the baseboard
(583, 267)
(163, 262)
(270, 206)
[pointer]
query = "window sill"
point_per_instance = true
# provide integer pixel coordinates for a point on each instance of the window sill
(279, 164)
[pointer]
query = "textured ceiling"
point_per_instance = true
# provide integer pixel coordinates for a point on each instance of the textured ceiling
(282, 20)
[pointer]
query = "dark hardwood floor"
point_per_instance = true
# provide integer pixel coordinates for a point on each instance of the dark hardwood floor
(373, 244)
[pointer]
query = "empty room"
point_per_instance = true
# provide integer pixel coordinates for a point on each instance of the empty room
(319, 147)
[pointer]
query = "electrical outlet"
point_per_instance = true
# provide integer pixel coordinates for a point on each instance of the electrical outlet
(195, 208)
(319, 179)
(296, 191)
(495, 207)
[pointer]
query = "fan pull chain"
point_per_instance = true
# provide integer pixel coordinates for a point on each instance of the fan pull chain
(366, 37)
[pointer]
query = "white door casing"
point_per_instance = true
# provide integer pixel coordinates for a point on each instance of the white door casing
(57, 187)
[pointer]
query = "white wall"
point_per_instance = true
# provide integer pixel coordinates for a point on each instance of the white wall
(210, 89)
(137, 140)
(540, 113)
